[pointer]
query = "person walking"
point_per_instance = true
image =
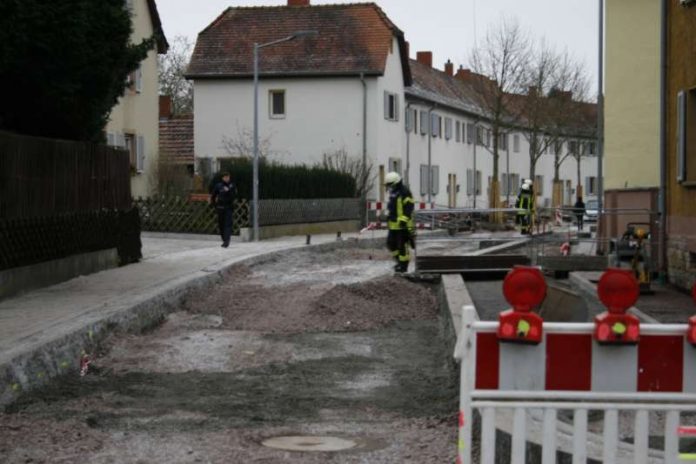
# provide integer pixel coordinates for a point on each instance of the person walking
(524, 204)
(579, 210)
(222, 198)
(399, 221)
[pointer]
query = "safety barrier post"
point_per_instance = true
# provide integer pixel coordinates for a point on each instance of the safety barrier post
(466, 353)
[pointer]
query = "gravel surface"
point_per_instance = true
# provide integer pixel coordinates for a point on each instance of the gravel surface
(303, 344)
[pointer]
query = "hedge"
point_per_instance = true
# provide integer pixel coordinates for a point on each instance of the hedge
(279, 181)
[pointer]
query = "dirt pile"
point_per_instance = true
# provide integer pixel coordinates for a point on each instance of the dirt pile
(248, 303)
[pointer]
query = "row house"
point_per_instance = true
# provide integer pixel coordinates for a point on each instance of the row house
(134, 122)
(353, 89)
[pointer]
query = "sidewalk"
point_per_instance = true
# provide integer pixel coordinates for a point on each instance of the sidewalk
(665, 305)
(43, 332)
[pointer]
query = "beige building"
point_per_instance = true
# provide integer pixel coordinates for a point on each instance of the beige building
(632, 109)
(134, 122)
(632, 103)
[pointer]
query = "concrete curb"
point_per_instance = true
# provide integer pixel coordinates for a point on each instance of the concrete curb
(61, 355)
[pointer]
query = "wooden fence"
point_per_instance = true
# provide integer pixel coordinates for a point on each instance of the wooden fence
(181, 215)
(40, 176)
(60, 198)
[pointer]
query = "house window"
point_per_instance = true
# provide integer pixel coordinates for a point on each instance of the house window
(431, 175)
(436, 123)
(686, 136)
(573, 147)
(473, 182)
(469, 133)
(503, 141)
(539, 185)
(516, 143)
(423, 122)
(479, 135)
(391, 106)
(136, 150)
(395, 165)
(410, 119)
(277, 104)
(448, 128)
(590, 185)
(458, 131)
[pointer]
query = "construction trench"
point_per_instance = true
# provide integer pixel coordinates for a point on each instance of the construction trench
(306, 356)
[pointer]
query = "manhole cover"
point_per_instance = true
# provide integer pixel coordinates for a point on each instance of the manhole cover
(309, 443)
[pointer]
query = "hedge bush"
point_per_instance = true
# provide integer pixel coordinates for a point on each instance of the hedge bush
(279, 181)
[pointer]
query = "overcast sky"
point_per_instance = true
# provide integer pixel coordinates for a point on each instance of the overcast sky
(448, 28)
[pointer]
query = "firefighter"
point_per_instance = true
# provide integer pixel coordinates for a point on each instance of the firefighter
(525, 204)
(399, 220)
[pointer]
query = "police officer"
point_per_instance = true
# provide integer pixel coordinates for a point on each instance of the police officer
(524, 204)
(399, 220)
(222, 198)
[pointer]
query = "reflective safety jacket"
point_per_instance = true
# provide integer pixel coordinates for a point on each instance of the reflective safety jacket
(524, 202)
(400, 208)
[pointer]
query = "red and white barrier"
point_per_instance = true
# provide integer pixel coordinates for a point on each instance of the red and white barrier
(551, 367)
(379, 207)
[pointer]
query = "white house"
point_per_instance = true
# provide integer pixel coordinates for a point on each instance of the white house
(351, 88)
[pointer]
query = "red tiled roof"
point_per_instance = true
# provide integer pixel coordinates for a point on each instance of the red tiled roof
(176, 139)
(459, 93)
(352, 39)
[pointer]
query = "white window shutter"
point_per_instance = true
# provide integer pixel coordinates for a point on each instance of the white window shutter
(423, 179)
(386, 105)
(435, 179)
(407, 121)
(396, 107)
(423, 122)
(681, 136)
(140, 153)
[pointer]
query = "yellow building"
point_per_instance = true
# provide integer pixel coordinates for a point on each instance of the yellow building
(632, 108)
(134, 122)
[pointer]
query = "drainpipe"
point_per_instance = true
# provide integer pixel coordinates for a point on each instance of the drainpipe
(475, 177)
(407, 173)
(364, 146)
(600, 115)
(430, 160)
(662, 196)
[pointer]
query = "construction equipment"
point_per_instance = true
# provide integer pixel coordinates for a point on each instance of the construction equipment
(633, 250)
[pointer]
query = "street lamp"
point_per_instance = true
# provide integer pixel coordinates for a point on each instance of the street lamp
(257, 47)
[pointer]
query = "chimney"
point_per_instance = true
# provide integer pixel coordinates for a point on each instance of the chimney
(463, 74)
(425, 58)
(449, 68)
(165, 106)
(298, 2)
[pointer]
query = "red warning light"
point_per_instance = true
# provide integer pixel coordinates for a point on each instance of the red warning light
(618, 289)
(524, 288)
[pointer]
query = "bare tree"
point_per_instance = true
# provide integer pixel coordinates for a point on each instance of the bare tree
(552, 108)
(498, 64)
(241, 145)
(172, 82)
(353, 166)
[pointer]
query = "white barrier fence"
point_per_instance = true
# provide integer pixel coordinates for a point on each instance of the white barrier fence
(516, 399)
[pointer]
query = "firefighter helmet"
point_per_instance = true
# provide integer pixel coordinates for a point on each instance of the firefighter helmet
(392, 178)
